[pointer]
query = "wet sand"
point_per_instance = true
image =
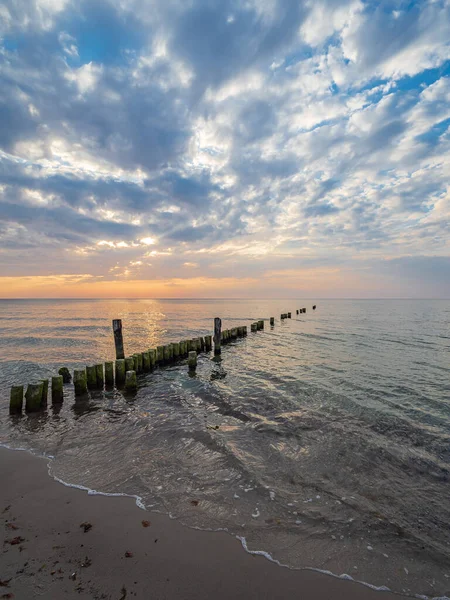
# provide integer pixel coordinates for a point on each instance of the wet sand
(59, 542)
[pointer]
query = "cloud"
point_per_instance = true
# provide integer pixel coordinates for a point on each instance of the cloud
(141, 138)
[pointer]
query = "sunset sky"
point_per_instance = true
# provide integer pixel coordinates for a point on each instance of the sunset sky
(205, 148)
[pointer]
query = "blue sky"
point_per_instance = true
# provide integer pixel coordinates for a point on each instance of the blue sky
(272, 148)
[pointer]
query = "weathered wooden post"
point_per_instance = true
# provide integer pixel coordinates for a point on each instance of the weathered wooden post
(297, 311)
(16, 399)
(137, 366)
(57, 389)
(261, 324)
(166, 353)
(129, 364)
(192, 360)
(109, 373)
(244, 330)
(80, 382)
(44, 399)
(146, 361)
(33, 396)
(176, 350)
(254, 327)
(314, 307)
(152, 355)
(130, 381)
(120, 371)
(160, 354)
(208, 342)
(67, 377)
(234, 333)
(217, 336)
(118, 338)
(91, 376)
(100, 375)
(272, 321)
(289, 315)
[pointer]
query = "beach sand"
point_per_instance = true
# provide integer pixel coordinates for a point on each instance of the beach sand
(49, 550)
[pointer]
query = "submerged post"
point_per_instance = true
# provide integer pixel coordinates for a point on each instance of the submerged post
(118, 338)
(192, 360)
(217, 332)
(57, 389)
(130, 381)
(16, 399)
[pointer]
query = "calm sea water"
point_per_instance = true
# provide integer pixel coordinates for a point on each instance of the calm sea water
(333, 446)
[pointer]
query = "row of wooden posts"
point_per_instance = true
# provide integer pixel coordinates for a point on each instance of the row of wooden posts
(123, 372)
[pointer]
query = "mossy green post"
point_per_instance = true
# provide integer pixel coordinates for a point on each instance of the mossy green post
(140, 359)
(80, 382)
(146, 361)
(254, 327)
(16, 400)
(120, 371)
(44, 400)
(57, 389)
(91, 377)
(183, 348)
(100, 375)
(130, 381)
(160, 354)
(137, 366)
(170, 352)
(67, 377)
(152, 354)
(176, 349)
(166, 353)
(272, 321)
(192, 360)
(109, 374)
(129, 364)
(33, 396)
(261, 324)
(244, 330)
(208, 342)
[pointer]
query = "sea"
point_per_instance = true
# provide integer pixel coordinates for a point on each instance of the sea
(322, 442)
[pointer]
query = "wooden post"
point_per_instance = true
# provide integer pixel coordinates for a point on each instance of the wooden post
(244, 330)
(67, 377)
(80, 382)
(135, 357)
(120, 371)
(129, 364)
(100, 375)
(192, 360)
(289, 316)
(118, 338)
(44, 399)
(160, 354)
(130, 381)
(261, 324)
(254, 327)
(91, 377)
(146, 360)
(152, 355)
(166, 353)
(272, 321)
(176, 350)
(208, 342)
(314, 307)
(109, 373)
(16, 399)
(33, 396)
(217, 335)
(57, 389)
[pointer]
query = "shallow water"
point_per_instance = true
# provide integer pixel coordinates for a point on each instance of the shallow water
(333, 447)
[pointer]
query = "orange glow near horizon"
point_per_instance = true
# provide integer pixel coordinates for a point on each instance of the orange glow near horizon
(320, 281)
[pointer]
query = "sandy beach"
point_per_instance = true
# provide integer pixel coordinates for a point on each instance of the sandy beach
(60, 542)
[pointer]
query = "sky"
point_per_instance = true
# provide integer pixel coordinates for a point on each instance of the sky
(232, 148)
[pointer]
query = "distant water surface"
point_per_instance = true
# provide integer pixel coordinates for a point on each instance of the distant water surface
(333, 442)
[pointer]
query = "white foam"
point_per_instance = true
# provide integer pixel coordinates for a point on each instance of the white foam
(263, 553)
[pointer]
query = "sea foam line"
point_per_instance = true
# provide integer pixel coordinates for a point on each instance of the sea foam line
(263, 553)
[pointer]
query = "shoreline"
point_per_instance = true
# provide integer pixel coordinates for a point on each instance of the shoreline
(120, 558)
